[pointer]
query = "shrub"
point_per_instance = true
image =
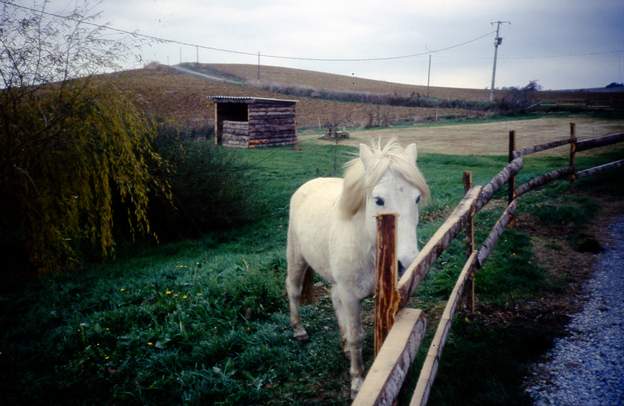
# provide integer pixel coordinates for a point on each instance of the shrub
(210, 186)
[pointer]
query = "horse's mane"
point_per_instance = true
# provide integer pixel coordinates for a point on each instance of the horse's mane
(358, 182)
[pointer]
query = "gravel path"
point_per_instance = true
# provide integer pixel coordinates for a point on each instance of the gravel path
(587, 366)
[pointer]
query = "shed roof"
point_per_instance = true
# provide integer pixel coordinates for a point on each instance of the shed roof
(248, 99)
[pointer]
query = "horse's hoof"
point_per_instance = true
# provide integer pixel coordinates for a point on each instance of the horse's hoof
(300, 334)
(356, 384)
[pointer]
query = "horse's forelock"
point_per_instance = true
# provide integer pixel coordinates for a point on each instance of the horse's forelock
(359, 180)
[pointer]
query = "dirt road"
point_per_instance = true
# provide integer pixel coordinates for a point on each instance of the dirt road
(586, 366)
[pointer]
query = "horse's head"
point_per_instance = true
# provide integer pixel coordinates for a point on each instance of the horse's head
(388, 181)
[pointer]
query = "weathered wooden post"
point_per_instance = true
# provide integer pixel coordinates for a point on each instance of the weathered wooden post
(573, 151)
(386, 295)
(470, 245)
(511, 193)
(512, 178)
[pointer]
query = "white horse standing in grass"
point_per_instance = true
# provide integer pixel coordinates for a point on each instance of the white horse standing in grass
(332, 231)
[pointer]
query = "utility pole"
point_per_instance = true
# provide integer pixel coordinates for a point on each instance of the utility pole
(497, 41)
(428, 75)
(258, 73)
(197, 55)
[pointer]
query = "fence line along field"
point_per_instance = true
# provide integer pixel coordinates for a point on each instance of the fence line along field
(475, 199)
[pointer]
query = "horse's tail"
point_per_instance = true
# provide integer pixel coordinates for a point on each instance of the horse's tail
(307, 289)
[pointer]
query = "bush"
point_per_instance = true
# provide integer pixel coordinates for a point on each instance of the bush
(210, 186)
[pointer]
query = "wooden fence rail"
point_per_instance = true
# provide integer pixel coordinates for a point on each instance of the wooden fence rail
(416, 272)
(386, 376)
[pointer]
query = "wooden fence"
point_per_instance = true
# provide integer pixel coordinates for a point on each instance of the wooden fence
(399, 330)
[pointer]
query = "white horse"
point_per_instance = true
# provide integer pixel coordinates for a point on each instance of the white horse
(332, 231)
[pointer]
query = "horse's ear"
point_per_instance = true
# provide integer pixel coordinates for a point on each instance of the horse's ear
(412, 152)
(366, 155)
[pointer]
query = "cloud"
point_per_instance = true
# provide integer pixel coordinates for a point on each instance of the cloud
(371, 28)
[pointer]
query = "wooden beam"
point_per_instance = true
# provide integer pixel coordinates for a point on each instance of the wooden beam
(496, 232)
(440, 240)
(600, 168)
(542, 180)
(386, 294)
(385, 377)
(497, 181)
(599, 141)
(512, 178)
(430, 366)
(470, 245)
(538, 148)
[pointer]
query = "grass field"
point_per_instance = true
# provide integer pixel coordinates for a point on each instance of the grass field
(205, 321)
(489, 137)
(183, 99)
(322, 80)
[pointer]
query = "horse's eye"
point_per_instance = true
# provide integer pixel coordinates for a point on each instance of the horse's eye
(418, 199)
(379, 201)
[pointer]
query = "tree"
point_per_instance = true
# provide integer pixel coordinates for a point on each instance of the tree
(518, 100)
(75, 156)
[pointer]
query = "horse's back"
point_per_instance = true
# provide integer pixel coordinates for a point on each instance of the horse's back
(313, 210)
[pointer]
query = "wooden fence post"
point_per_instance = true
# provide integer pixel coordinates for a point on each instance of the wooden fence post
(573, 151)
(511, 194)
(512, 178)
(386, 296)
(470, 246)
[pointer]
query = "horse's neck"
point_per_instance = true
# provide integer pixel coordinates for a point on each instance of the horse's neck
(366, 243)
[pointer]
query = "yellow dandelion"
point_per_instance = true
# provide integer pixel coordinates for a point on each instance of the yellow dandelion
(150, 343)
(168, 292)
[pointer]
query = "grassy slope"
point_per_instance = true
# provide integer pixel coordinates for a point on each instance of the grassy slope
(322, 80)
(206, 321)
(183, 99)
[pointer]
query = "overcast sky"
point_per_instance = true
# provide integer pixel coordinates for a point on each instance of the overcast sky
(548, 40)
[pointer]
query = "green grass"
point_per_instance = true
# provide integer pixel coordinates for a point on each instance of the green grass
(206, 321)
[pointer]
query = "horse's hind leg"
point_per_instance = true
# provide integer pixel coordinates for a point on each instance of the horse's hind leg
(295, 278)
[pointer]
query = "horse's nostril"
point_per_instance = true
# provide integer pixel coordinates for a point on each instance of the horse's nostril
(401, 269)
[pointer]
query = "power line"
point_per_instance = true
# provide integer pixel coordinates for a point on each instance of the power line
(239, 52)
(386, 58)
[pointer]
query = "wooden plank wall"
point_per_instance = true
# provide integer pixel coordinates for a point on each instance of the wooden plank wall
(271, 124)
(235, 134)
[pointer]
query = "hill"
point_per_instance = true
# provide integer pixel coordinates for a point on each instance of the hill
(330, 81)
(580, 98)
(182, 99)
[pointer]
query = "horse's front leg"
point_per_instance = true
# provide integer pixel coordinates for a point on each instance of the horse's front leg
(355, 335)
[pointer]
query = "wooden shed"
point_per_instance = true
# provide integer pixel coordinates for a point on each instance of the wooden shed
(252, 122)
